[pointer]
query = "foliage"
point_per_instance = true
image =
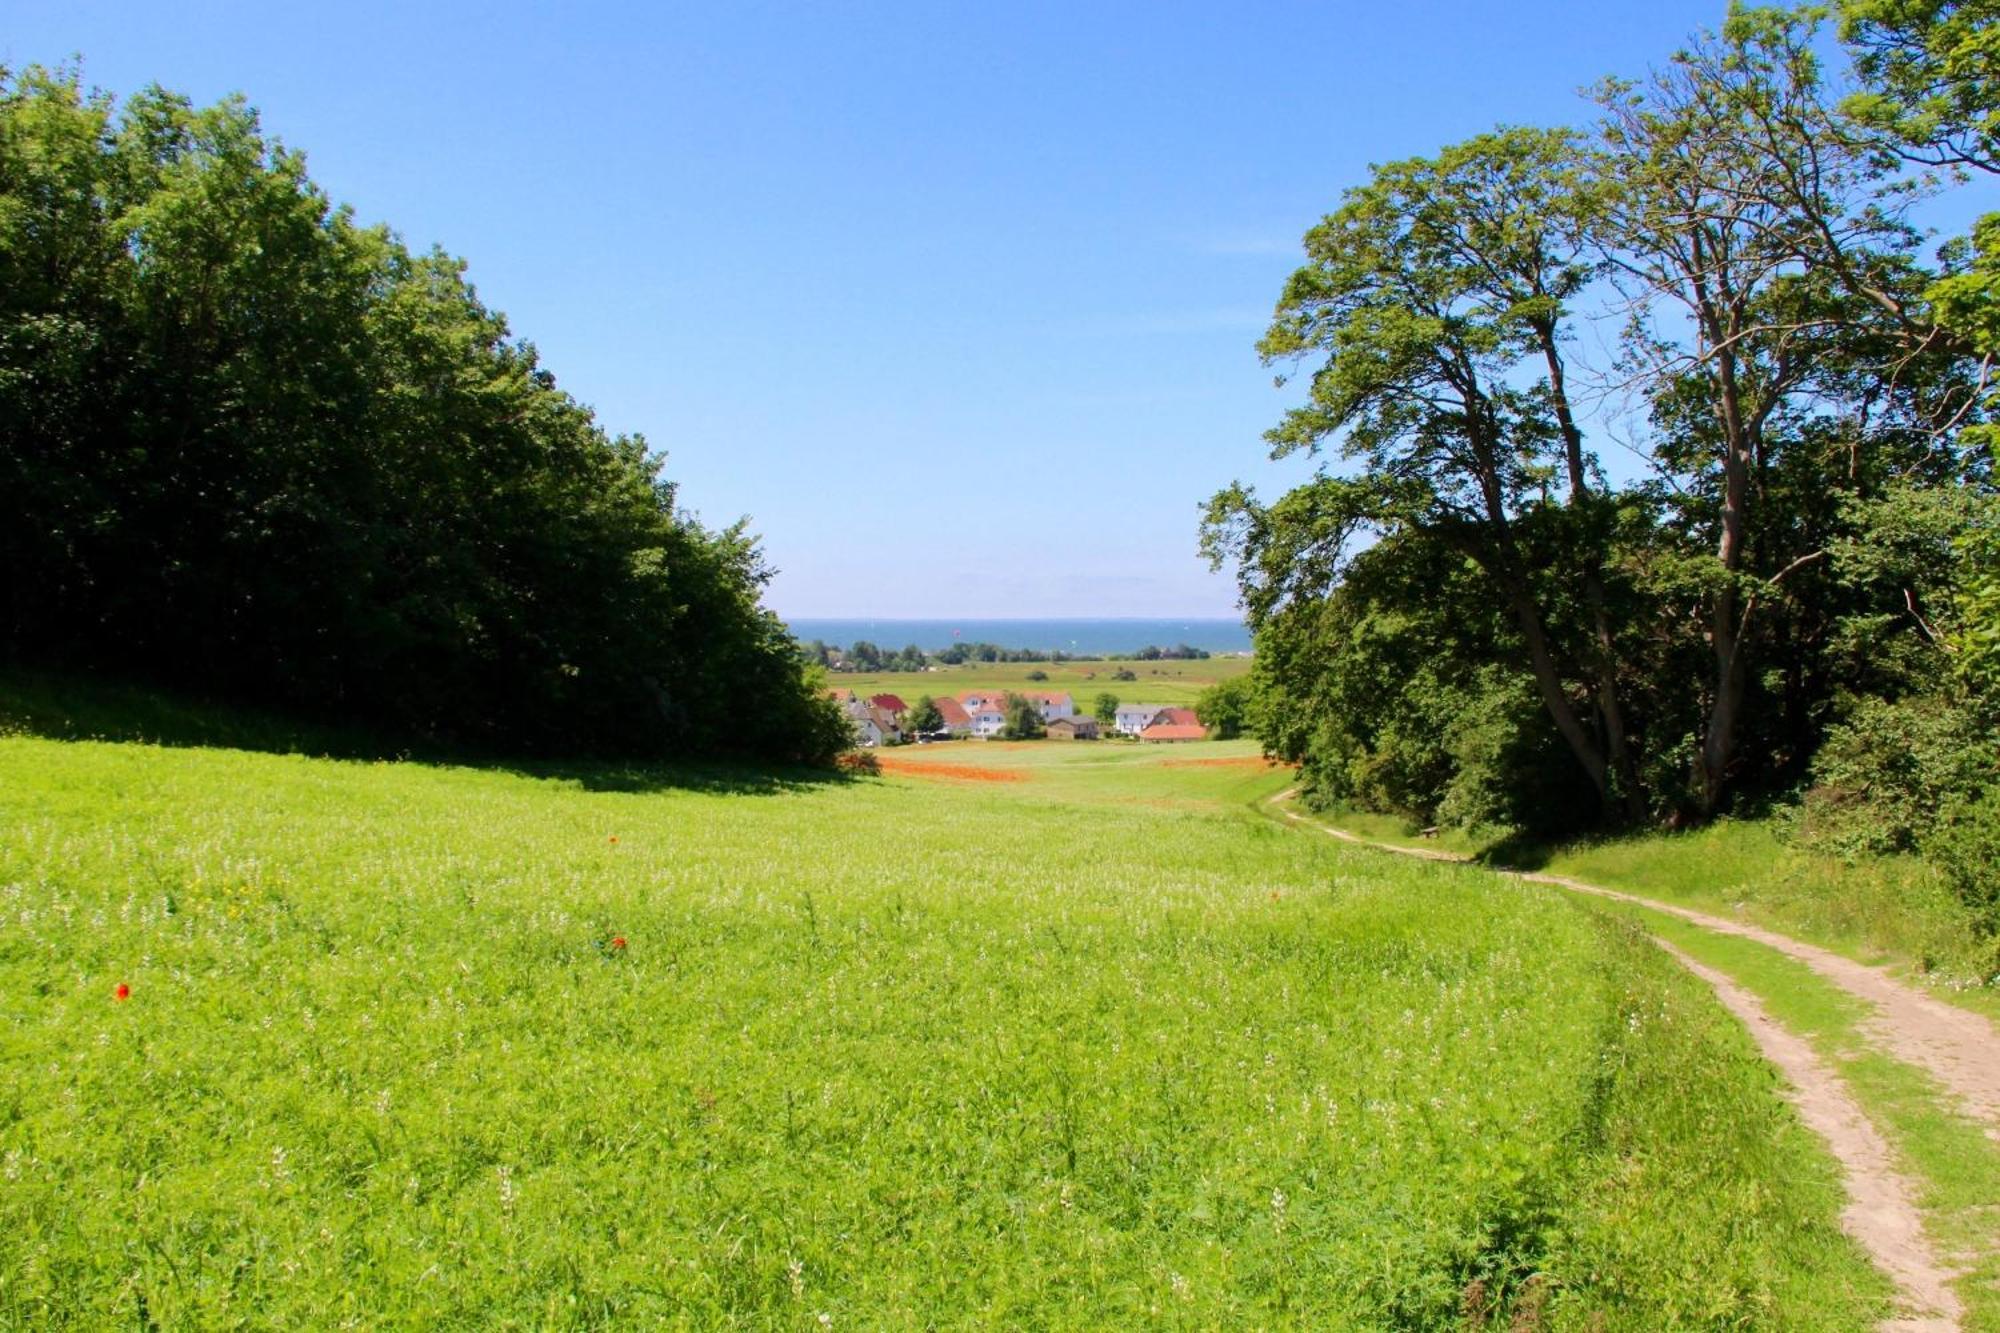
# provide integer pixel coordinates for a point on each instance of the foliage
(1100, 1064)
(923, 715)
(1965, 844)
(1931, 75)
(1978, 611)
(1024, 720)
(250, 446)
(1888, 769)
(1461, 618)
(1225, 708)
(1105, 708)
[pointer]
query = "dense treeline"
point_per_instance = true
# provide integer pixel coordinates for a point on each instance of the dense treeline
(251, 446)
(1473, 620)
(865, 655)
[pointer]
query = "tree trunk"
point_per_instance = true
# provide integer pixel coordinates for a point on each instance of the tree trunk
(1618, 752)
(1718, 742)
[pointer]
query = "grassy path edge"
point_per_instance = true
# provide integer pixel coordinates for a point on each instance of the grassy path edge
(1955, 1046)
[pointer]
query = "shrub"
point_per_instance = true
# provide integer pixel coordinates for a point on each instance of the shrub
(1884, 774)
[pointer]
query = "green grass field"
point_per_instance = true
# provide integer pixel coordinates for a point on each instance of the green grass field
(1047, 1035)
(1157, 683)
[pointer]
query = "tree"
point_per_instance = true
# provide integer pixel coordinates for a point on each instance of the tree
(1024, 720)
(1436, 298)
(864, 656)
(1743, 214)
(1225, 708)
(1038, 675)
(250, 447)
(923, 716)
(1105, 708)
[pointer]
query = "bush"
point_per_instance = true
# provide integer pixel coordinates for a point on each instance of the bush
(1965, 847)
(1024, 720)
(1884, 775)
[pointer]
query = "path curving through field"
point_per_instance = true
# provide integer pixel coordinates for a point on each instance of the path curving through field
(1958, 1048)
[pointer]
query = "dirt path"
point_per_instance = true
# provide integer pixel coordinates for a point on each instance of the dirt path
(1958, 1048)
(1880, 1212)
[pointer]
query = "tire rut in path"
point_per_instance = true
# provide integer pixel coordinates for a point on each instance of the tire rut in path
(1881, 1214)
(1957, 1047)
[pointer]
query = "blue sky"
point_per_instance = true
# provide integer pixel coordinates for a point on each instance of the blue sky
(956, 301)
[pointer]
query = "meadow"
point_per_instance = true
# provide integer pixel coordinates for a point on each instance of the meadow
(1157, 682)
(1044, 1035)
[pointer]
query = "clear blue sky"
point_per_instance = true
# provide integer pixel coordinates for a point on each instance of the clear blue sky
(956, 300)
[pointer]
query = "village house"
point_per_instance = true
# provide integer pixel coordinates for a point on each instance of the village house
(1132, 719)
(872, 726)
(957, 721)
(1051, 704)
(989, 718)
(1073, 729)
(892, 704)
(1175, 724)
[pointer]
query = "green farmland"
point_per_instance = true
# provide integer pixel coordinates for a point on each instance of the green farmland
(1157, 682)
(1043, 1036)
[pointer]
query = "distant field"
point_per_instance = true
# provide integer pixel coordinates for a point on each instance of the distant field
(1158, 682)
(1054, 1035)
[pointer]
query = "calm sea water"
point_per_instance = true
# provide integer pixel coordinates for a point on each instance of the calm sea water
(1102, 637)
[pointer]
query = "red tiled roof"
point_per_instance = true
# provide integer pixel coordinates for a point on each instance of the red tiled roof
(953, 712)
(890, 702)
(1179, 717)
(1174, 731)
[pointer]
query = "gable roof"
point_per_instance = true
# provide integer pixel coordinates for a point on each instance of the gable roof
(1174, 731)
(952, 711)
(889, 702)
(1074, 723)
(1179, 717)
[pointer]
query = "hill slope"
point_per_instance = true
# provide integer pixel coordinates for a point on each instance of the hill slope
(1097, 1045)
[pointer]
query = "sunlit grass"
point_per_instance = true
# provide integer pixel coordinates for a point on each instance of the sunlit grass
(1097, 1047)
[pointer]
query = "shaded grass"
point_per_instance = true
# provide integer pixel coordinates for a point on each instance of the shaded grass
(1100, 1047)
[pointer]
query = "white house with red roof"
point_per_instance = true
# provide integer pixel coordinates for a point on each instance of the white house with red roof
(1135, 718)
(989, 717)
(1051, 704)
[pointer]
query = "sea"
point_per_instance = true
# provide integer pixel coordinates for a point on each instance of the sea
(1098, 637)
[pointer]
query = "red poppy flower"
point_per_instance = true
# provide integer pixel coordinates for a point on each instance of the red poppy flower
(121, 992)
(617, 941)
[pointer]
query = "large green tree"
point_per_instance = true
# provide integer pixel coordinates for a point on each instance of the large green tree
(1434, 308)
(249, 446)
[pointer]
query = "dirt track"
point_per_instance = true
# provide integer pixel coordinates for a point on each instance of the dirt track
(1956, 1047)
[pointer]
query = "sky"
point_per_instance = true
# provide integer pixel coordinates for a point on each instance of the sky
(957, 302)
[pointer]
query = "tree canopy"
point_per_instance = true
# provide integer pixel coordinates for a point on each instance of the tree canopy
(1464, 616)
(251, 446)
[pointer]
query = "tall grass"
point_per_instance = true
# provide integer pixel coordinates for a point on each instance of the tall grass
(447, 1046)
